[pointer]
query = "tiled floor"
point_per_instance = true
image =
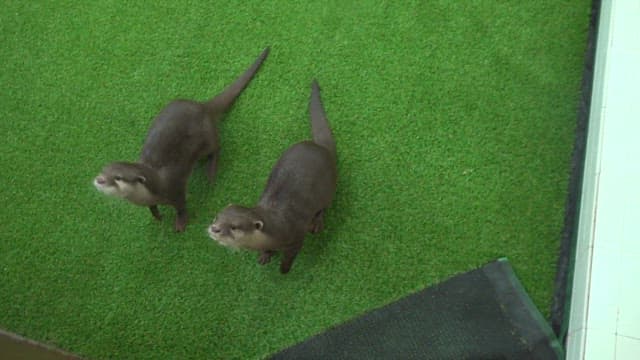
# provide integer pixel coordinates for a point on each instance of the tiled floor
(605, 309)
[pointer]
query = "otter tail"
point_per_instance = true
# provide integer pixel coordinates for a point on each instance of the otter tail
(223, 101)
(320, 130)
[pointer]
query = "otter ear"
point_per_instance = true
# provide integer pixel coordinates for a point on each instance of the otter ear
(141, 179)
(258, 224)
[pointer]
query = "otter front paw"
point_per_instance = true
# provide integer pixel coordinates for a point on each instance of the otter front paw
(265, 257)
(181, 224)
(155, 212)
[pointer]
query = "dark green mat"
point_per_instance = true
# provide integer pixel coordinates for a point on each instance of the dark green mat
(481, 314)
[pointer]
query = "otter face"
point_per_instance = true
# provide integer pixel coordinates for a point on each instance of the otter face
(125, 181)
(239, 228)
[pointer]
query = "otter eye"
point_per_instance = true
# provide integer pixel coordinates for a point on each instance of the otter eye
(258, 225)
(233, 227)
(117, 178)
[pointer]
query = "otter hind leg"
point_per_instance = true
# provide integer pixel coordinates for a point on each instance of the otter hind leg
(288, 256)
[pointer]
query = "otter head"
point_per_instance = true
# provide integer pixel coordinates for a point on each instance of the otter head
(239, 227)
(127, 181)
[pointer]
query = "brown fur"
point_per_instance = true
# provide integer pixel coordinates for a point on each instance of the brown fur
(300, 188)
(182, 133)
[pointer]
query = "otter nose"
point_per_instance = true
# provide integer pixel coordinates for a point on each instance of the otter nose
(101, 180)
(214, 229)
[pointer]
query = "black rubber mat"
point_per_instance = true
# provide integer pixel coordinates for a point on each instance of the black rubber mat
(482, 314)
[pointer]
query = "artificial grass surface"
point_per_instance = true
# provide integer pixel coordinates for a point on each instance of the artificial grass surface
(454, 123)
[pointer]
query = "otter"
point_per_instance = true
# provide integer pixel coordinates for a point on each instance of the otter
(300, 188)
(184, 132)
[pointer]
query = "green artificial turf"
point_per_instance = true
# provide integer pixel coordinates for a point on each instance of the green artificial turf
(454, 122)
